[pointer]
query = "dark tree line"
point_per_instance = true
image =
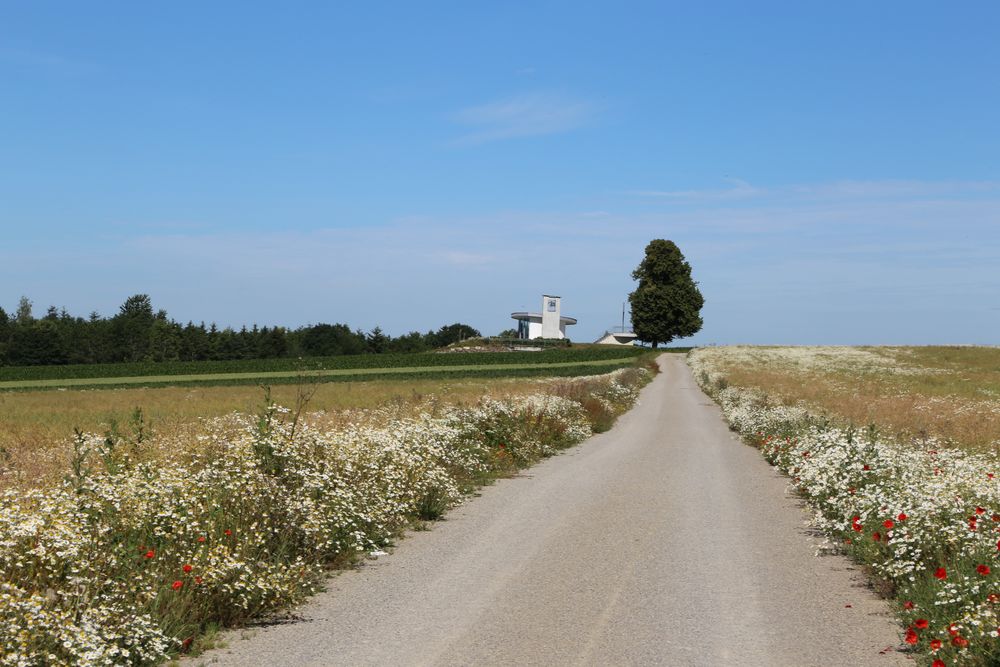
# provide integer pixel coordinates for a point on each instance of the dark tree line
(139, 333)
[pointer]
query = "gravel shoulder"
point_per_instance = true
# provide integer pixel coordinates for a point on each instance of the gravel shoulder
(663, 541)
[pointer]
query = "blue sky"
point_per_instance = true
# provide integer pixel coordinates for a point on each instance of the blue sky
(830, 170)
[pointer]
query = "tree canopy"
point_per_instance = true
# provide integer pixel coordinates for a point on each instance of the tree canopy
(140, 333)
(667, 303)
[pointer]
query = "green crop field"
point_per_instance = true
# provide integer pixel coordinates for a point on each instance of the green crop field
(572, 361)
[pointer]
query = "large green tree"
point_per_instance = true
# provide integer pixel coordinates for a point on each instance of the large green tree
(131, 328)
(667, 303)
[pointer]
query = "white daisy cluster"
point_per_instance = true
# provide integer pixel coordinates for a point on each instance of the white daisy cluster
(825, 358)
(125, 561)
(924, 518)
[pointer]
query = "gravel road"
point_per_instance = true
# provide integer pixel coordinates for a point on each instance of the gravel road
(662, 542)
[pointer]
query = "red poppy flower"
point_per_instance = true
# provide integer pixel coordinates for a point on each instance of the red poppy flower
(935, 644)
(921, 623)
(865, 467)
(983, 569)
(941, 573)
(952, 629)
(150, 554)
(187, 567)
(959, 641)
(201, 538)
(197, 580)
(888, 523)
(993, 597)
(938, 663)
(908, 605)
(911, 636)
(877, 537)
(227, 532)
(995, 517)
(980, 510)
(177, 585)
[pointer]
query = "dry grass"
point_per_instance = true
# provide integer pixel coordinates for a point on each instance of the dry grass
(36, 428)
(952, 393)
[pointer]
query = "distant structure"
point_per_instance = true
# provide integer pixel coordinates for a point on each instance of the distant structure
(617, 335)
(617, 338)
(547, 324)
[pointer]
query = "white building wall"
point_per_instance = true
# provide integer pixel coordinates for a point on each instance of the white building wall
(551, 326)
(535, 330)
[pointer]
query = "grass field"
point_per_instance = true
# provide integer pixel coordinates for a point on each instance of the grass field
(37, 420)
(201, 498)
(326, 375)
(383, 363)
(950, 393)
(127, 547)
(897, 452)
(36, 424)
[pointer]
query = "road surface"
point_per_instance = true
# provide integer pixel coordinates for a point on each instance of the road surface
(664, 541)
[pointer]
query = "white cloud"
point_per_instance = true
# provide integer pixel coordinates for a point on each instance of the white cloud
(41, 60)
(740, 189)
(847, 269)
(893, 188)
(525, 115)
(470, 259)
(837, 190)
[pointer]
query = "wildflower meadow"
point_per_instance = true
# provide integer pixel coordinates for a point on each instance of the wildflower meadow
(130, 558)
(922, 517)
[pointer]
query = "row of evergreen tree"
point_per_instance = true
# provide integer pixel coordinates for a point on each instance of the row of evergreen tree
(138, 333)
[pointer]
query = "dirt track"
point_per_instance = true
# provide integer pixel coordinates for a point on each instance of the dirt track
(663, 541)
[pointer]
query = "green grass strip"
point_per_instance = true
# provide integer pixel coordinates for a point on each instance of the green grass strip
(337, 372)
(293, 365)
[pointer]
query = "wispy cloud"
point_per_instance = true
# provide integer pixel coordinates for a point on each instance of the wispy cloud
(40, 60)
(836, 190)
(740, 189)
(893, 188)
(525, 115)
(845, 269)
(467, 259)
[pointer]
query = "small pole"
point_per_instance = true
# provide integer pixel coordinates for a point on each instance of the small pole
(623, 317)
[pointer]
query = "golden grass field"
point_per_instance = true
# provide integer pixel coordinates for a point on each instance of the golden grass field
(37, 427)
(951, 393)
